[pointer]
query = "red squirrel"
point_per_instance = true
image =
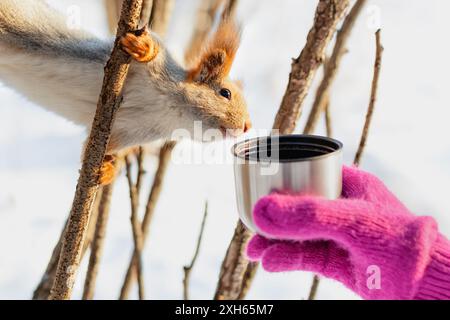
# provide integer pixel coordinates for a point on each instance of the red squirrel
(61, 69)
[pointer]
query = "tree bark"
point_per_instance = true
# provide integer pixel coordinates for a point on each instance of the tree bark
(110, 97)
(160, 16)
(136, 226)
(304, 68)
(234, 266)
(332, 66)
(164, 158)
(204, 23)
(98, 242)
(188, 269)
(42, 291)
(373, 99)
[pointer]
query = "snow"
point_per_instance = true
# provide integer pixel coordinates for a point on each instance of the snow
(406, 148)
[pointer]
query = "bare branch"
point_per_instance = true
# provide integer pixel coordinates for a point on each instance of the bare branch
(110, 97)
(42, 291)
(314, 287)
(233, 266)
(304, 68)
(164, 158)
(230, 9)
(160, 16)
(373, 98)
(113, 13)
(147, 7)
(135, 223)
(97, 242)
(332, 66)
(188, 269)
(204, 23)
(328, 124)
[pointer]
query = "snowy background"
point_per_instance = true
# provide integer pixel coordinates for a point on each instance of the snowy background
(407, 148)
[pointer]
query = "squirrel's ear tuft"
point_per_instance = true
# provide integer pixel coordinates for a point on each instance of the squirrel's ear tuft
(217, 57)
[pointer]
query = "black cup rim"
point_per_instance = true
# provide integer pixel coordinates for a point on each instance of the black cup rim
(239, 148)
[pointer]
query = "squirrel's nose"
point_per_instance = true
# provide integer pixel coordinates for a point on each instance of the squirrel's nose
(247, 125)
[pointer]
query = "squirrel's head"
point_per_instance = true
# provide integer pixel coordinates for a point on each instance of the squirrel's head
(217, 100)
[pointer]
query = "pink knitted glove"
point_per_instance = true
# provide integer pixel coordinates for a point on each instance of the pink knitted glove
(367, 240)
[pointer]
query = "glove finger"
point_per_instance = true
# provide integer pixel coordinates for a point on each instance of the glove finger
(256, 247)
(323, 257)
(301, 218)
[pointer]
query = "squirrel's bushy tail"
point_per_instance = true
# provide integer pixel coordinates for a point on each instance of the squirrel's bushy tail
(49, 63)
(33, 26)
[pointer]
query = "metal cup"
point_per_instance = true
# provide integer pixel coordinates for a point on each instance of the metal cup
(292, 164)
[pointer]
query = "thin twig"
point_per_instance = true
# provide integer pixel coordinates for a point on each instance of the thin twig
(42, 291)
(146, 13)
(136, 227)
(230, 9)
(113, 13)
(373, 98)
(314, 287)
(304, 68)
(328, 122)
(206, 14)
(234, 266)
(332, 66)
(110, 97)
(160, 16)
(188, 269)
(98, 242)
(164, 158)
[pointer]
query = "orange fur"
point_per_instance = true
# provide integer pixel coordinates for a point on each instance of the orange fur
(108, 170)
(217, 57)
(140, 45)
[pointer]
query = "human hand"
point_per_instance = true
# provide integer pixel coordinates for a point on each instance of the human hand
(368, 239)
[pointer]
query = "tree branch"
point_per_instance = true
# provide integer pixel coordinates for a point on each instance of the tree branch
(135, 223)
(160, 16)
(332, 66)
(373, 98)
(304, 68)
(328, 124)
(314, 287)
(42, 291)
(164, 158)
(97, 242)
(110, 97)
(188, 269)
(233, 266)
(206, 14)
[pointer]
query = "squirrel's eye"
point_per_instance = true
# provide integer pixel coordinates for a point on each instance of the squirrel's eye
(225, 93)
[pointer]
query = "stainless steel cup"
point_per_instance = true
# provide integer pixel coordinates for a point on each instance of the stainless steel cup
(294, 164)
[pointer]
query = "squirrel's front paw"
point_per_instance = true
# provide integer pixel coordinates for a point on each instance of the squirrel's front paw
(140, 45)
(108, 170)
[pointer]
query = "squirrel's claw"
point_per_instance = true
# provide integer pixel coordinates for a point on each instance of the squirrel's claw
(140, 45)
(108, 170)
